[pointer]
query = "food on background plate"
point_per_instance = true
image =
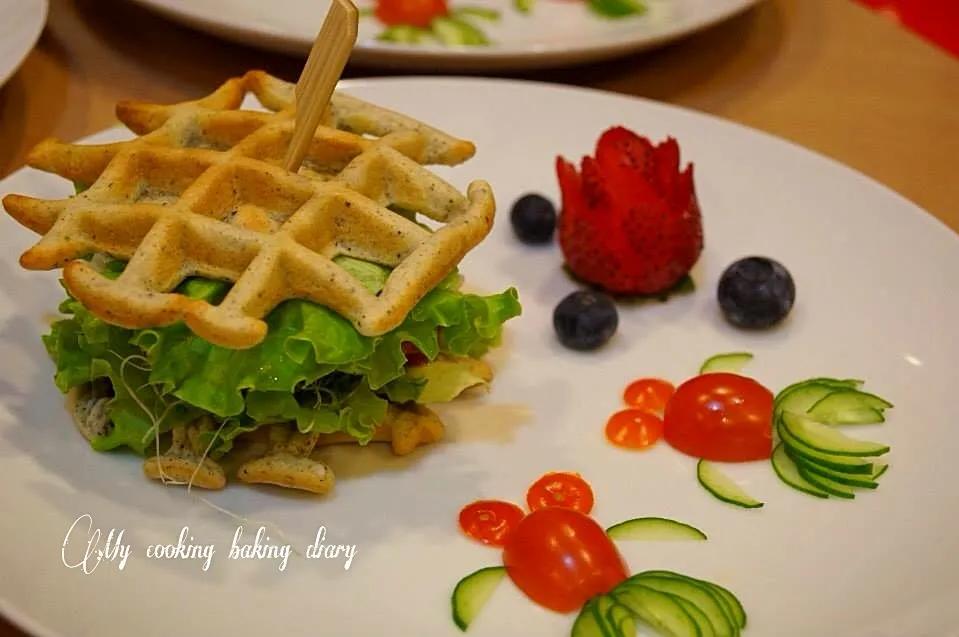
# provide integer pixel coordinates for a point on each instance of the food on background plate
(416, 22)
(722, 416)
(214, 299)
(611, 9)
(564, 561)
(423, 21)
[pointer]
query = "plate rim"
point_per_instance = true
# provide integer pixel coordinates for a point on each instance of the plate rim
(35, 628)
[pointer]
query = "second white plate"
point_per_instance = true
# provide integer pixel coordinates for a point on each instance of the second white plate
(555, 33)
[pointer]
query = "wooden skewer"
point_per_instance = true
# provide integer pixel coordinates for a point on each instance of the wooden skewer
(323, 69)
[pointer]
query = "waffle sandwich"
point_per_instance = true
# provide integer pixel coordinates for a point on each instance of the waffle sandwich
(226, 317)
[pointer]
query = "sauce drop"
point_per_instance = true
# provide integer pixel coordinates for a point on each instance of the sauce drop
(634, 429)
(649, 394)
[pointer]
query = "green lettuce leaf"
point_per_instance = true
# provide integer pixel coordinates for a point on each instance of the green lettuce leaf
(84, 349)
(444, 380)
(313, 367)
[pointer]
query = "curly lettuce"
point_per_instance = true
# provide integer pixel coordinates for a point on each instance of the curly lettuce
(312, 368)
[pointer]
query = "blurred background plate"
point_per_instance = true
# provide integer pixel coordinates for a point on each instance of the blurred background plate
(555, 33)
(20, 27)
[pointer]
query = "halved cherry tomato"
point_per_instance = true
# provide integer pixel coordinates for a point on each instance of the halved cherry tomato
(560, 489)
(650, 394)
(417, 13)
(722, 417)
(634, 429)
(560, 558)
(490, 521)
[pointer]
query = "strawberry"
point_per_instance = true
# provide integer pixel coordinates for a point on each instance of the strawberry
(630, 222)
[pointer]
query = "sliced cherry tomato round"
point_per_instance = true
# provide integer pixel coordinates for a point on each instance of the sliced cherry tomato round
(650, 394)
(634, 429)
(722, 417)
(417, 13)
(560, 558)
(560, 489)
(490, 521)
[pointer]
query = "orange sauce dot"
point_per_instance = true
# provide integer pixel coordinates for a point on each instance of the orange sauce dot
(634, 429)
(649, 394)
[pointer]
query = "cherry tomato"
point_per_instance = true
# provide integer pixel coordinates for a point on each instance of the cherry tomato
(413, 355)
(560, 558)
(560, 489)
(417, 13)
(634, 429)
(650, 394)
(490, 521)
(722, 417)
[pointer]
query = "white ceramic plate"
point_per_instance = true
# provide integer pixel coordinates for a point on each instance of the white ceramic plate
(556, 33)
(20, 29)
(876, 283)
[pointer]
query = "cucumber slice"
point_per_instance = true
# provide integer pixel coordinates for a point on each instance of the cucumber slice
(589, 623)
(849, 407)
(453, 32)
(603, 617)
(617, 620)
(732, 363)
(730, 602)
(835, 383)
(702, 597)
(786, 469)
(404, 34)
(799, 397)
(472, 592)
(654, 529)
(847, 464)
(659, 610)
(476, 12)
(721, 486)
(524, 6)
(705, 626)
(616, 8)
(860, 481)
(826, 439)
(826, 484)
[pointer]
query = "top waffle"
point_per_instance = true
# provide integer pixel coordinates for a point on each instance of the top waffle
(202, 192)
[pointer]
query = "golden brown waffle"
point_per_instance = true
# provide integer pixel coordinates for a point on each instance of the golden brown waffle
(202, 192)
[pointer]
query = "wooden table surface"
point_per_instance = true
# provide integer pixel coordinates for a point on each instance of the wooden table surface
(827, 74)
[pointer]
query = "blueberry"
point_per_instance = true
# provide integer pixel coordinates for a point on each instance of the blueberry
(584, 320)
(756, 292)
(533, 218)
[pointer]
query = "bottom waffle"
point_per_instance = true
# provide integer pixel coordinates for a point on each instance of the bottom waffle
(276, 455)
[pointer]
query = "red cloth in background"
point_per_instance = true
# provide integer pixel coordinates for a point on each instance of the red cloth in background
(935, 20)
